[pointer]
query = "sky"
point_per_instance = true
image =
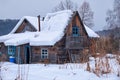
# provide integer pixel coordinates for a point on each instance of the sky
(16, 9)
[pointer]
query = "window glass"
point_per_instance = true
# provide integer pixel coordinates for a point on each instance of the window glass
(75, 31)
(44, 54)
(11, 50)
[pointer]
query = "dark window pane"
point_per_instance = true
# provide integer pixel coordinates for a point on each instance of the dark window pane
(75, 31)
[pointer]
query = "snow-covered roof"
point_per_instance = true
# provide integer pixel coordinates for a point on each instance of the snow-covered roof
(58, 21)
(32, 20)
(5, 37)
(90, 32)
(52, 30)
(15, 39)
(55, 24)
(50, 38)
(43, 38)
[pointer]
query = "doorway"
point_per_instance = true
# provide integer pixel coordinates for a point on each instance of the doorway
(27, 54)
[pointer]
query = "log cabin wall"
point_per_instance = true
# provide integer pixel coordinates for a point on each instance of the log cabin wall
(22, 53)
(80, 41)
(94, 46)
(3, 52)
(36, 54)
(64, 48)
(76, 22)
(60, 46)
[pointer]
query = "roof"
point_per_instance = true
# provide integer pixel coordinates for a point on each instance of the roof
(15, 39)
(52, 30)
(90, 32)
(48, 39)
(34, 38)
(32, 20)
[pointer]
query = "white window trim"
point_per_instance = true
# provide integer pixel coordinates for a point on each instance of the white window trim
(44, 54)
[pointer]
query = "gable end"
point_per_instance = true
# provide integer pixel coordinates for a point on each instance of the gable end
(25, 26)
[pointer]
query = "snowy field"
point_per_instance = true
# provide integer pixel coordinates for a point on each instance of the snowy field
(70, 71)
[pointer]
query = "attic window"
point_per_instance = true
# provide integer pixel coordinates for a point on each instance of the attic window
(75, 31)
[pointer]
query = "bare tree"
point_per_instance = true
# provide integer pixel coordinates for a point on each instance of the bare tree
(65, 5)
(113, 16)
(110, 19)
(117, 12)
(86, 14)
(85, 11)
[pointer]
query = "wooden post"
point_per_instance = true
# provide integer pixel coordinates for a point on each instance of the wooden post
(18, 55)
(30, 49)
(38, 23)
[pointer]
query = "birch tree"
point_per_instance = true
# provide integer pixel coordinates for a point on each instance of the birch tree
(110, 19)
(117, 12)
(86, 14)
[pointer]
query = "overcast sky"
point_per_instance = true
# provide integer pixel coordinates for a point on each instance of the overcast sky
(16, 9)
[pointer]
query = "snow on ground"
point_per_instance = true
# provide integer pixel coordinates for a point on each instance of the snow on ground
(70, 71)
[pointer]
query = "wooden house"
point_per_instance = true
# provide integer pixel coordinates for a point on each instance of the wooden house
(60, 38)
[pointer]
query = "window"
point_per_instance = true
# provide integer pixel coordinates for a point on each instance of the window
(0, 53)
(75, 31)
(44, 54)
(11, 50)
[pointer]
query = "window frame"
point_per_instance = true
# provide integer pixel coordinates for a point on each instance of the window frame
(44, 53)
(75, 31)
(11, 50)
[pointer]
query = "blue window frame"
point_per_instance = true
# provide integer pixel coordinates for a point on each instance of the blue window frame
(75, 31)
(0, 53)
(11, 50)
